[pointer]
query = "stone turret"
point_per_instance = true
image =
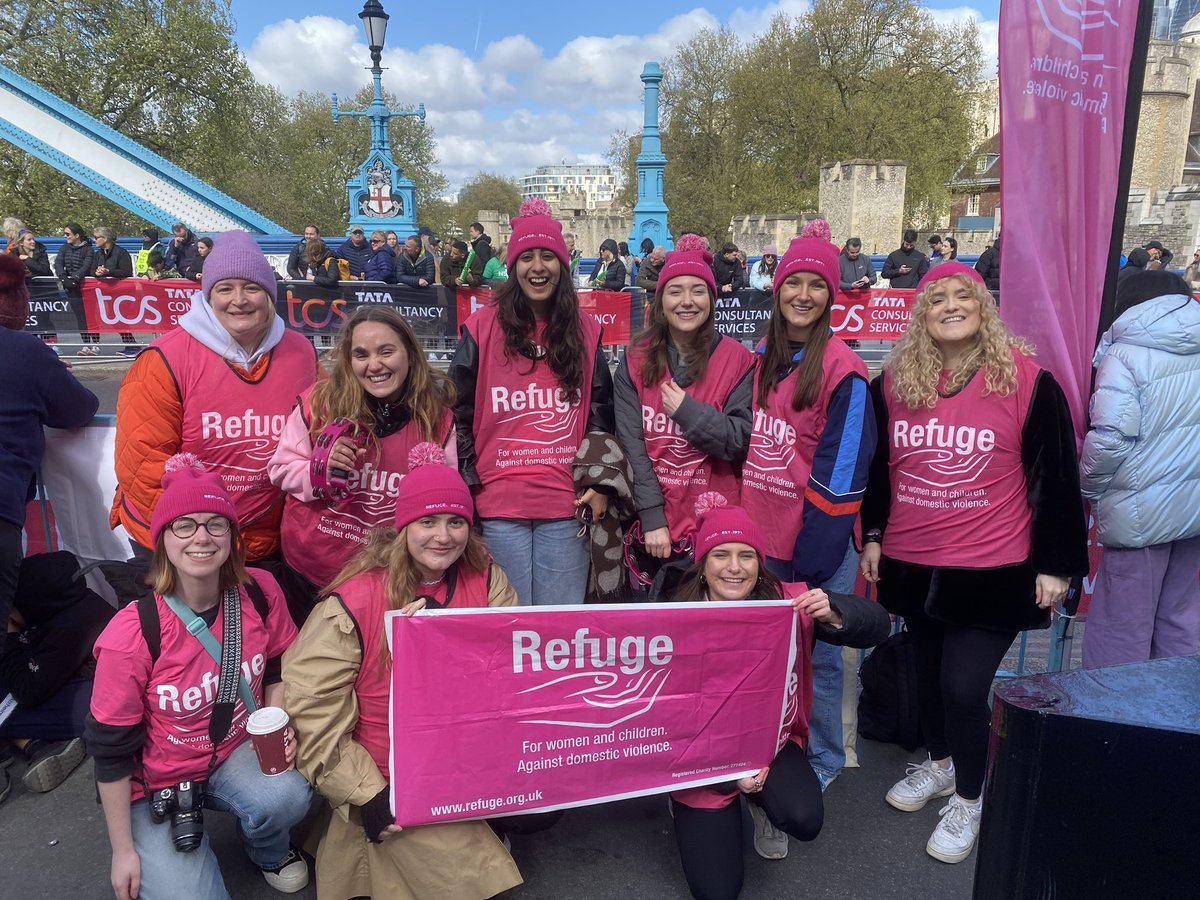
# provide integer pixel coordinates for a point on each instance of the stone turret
(864, 198)
(1166, 114)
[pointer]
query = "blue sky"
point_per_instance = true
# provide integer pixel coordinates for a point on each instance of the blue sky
(517, 87)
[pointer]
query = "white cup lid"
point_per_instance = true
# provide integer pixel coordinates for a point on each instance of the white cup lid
(266, 719)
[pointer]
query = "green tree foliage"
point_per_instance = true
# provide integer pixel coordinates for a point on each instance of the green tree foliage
(748, 128)
(623, 150)
(304, 160)
(704, 157)
(487, 190)
(168, 74)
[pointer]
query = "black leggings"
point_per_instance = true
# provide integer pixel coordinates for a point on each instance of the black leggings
(956, 665)
(710, 840)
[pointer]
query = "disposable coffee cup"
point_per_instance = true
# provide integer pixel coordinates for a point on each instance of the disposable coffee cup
(266, 729)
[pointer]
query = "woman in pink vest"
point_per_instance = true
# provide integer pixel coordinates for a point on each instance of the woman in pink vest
(810, 447)
(220, 386)
(683, 407)
(785, 796)
(381, 384)
(167, 726)
(532, 380)
(974, 524)
(338, 674)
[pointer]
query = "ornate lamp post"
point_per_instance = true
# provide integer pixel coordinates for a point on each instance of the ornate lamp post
(380, 196)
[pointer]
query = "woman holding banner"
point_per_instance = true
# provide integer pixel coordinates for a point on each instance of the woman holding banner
(221, 386)
(532, 380)
(683, 410)
(381, 399)
(785, 796)
(806, 469)
(338, 675)
(974, 524)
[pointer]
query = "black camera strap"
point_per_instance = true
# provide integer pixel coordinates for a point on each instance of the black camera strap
(230, 676)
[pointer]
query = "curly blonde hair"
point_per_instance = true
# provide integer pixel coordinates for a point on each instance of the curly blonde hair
(916, 364)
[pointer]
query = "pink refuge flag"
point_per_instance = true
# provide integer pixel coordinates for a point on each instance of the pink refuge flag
(1064, 72)
(519, 710)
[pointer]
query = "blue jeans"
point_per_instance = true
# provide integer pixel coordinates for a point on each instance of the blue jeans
(826, 744)
(545, 559)
(266, 809)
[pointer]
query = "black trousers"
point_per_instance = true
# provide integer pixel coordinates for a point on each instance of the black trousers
(956, 665)
(710, 840)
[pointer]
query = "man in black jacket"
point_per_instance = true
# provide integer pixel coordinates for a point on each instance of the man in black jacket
(905, 266)
(297, 261)
(728, 271)
(988, 265)
(414, 265)
(181, 250)
(357, 253)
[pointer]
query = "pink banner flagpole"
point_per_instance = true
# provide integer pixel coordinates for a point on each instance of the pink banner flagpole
(1064, 81)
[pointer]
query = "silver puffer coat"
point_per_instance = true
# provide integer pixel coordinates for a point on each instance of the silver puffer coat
(1141, 458)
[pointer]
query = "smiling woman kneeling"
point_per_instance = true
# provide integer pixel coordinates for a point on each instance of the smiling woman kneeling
(168, 720)
(338, 675)
(784, 797)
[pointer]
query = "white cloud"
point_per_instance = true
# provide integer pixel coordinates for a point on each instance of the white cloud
(513, 107)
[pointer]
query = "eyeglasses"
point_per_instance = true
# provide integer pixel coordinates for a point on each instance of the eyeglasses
(217, 526)
(376, 241)
(356, 233)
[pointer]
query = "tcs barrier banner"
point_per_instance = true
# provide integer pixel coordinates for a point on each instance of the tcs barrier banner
(141, 305)
(876, 314)
(612, 309)
(527, 709)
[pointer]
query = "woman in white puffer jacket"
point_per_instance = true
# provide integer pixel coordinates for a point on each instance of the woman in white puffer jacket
(1141, 470)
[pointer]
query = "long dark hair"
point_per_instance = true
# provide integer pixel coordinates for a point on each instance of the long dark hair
(652, 343)
(776, 361)
(692, 586)
(563, 337)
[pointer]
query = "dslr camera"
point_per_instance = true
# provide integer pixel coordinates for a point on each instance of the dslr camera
(183, 802)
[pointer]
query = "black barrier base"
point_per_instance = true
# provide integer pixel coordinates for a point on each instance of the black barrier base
(1093, 786)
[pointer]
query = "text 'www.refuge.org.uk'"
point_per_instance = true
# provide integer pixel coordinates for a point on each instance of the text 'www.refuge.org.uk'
(487, 805)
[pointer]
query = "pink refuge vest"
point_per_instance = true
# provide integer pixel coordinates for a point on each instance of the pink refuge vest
(794, 725)
(233, 425)
(958, 487)
(782, 444)
(526, 434)
(320, 537)
(366, 599)
(683, 471)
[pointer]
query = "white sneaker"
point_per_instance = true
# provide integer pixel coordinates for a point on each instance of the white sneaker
(954, 837)
(924, 782)
(290, 876)
(769, 841)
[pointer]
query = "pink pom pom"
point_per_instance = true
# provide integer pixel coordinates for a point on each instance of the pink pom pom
(426, 454)
(709, 501)
(181, 461)
(691, 242)
(535, 206)
(816, 228)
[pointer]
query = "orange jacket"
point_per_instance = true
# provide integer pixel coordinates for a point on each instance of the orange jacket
(149, 425)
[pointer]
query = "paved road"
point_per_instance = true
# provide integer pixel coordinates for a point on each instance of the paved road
(55, 846)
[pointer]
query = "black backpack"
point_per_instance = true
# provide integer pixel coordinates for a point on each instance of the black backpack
(887, 706)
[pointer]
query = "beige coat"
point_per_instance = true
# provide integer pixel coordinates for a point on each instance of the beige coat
(454, 861)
